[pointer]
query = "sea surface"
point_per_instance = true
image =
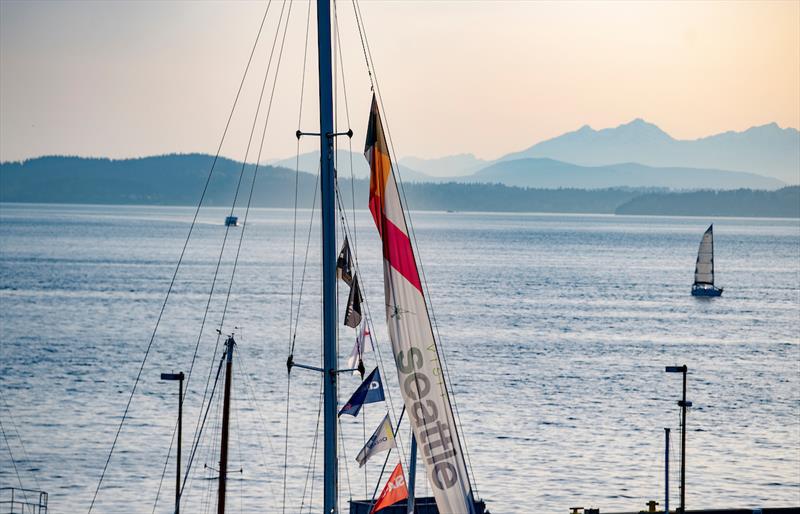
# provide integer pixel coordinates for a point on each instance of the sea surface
(556, 331)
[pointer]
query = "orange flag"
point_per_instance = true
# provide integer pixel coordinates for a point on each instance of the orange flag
(394, 490)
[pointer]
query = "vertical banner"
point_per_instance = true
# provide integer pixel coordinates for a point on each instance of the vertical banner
(419, 369)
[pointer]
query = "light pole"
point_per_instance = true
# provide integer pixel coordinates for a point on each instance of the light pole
(179, 377)
(683, 404)
(666, 471)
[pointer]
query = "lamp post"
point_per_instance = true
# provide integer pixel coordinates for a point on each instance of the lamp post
(683, 404)
(179, 377)
(666, 471)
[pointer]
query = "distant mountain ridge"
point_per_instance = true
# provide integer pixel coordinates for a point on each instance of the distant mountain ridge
(638, 152)
(765, 150)
(446, 167)
(309, 163)
(180, 180)
(550, 173)
(783, 203)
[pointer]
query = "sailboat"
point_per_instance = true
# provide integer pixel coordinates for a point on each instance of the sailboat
(704, 267)
(421, 371)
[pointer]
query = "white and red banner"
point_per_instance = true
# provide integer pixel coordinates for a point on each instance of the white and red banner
(419, 368)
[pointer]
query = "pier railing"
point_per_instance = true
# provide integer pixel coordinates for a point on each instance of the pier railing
(14, 500)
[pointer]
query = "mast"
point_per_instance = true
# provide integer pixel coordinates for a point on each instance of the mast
(683, 405)
(226, 411)
(711, 229)
(331, 471)
(666, 471)
(412, 475)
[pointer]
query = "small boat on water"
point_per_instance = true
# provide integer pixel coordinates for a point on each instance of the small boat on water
(704, 268)
(231, 221)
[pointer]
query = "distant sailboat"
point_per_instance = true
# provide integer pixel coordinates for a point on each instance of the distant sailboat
(704, 269)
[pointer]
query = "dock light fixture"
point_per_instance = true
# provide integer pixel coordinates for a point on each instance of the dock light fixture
(683, 404)
(179, 377)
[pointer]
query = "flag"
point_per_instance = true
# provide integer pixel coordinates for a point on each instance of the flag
(381, 440)
(419, 368)
(370, 391)
(360, 348)
(352, 318)
(344, 264)
(361, 338)
(394, 490)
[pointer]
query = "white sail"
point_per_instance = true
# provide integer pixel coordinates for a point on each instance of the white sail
(704, 269)
(419, 369)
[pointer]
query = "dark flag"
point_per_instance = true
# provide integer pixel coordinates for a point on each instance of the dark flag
(370, 391)
(344, 264)
(352, 318)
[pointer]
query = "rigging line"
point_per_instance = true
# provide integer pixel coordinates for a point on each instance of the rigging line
(233, 205)
(376, 346)
(305, 261)
(363, 46)
(249, 386)
(258, 158)
(180, 259)
(312, 456)
(313, 482)
(366, 52)
(386, 460)
(261, 146)
(344, 457)
(19, 437)
(214, 450)
(164, 470)
(286, 441)
(297, 169)
(460, 435)
(210, 450)
(247, 151)
(294, 251)
(13, 462)
(235, 409)
(249, 383)
(338, 41)
(200, 431)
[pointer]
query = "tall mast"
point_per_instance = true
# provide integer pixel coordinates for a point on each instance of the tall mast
(711, 228)
(226, 412)
(328, 253)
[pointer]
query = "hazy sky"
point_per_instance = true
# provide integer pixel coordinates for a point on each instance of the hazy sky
(129, 79)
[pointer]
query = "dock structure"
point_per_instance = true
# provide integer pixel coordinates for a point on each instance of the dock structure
(652, 509)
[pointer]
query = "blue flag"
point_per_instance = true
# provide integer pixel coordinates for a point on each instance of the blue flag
(370, 391)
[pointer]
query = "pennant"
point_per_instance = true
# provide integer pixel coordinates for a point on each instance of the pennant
(370, 391)
(360, 348)
(394, 490)
(344, 264)
(363, 335)
(381, 440)
(419, 368)
(352, 317)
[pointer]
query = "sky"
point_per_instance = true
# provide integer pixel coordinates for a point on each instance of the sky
(127, 79)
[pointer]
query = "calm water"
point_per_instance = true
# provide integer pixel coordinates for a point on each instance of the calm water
(557, 330)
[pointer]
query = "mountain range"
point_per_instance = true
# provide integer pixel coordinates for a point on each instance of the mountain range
(635, 154)
(549, 173)
(309, 163)
(765, 150)
(182, 180)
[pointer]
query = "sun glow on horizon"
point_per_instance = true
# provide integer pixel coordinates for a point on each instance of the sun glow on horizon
(130, 79)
